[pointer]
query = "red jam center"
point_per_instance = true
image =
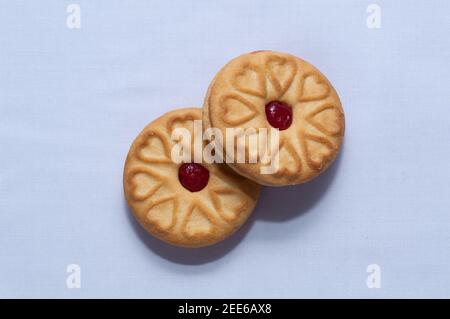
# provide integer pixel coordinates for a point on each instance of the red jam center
(279, 115)
(194, 177)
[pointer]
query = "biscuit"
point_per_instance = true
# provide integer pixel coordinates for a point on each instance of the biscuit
(186, 204)
(267, 89)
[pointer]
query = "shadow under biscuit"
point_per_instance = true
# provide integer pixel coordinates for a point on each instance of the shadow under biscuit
(275, 204)
(279, 204)
(188, 256)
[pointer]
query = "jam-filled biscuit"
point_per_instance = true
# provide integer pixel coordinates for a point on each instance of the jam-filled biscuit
(188, 204)
(266, 89)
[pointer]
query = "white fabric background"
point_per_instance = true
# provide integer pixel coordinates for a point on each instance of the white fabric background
(71, 102)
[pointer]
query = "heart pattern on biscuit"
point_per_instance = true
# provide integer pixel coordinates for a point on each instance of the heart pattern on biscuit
(327, 119)
(162, 213)
(153, 149)
(318, 151)
(237, 110)
(312, 88)
(250, 80)
(198, 222)
(144, 184)
(281, 73)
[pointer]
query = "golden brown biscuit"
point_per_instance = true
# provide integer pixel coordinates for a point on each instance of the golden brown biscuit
(189, 204)
(266, 89)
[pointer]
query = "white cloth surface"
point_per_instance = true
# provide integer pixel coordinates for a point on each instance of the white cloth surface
(72, 100)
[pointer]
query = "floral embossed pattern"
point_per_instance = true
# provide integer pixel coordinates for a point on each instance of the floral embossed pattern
(168, 210)
(237, 98)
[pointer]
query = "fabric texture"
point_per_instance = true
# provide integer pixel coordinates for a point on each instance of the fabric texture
(72, 100)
